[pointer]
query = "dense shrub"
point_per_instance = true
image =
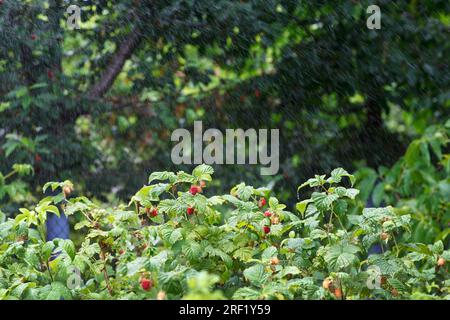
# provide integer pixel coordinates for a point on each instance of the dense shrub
(175, 241)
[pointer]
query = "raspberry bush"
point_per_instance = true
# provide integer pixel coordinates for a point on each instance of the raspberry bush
(175, 240)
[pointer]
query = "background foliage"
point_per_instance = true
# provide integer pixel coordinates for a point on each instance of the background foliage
(313, 70)
(179, 242)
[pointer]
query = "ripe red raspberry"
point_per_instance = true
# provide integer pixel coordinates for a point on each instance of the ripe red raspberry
(266, 229)
(190, 211)
(267, 214)
(194, 190)
(153, 212)
(33, 37)
(146, 284)
(50, 74)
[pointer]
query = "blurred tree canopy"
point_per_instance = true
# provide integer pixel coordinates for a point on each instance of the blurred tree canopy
(98, 105)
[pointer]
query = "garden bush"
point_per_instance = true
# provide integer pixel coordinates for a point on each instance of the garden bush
(174, 240)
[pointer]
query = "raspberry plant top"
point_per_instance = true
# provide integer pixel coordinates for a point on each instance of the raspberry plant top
(172, 243)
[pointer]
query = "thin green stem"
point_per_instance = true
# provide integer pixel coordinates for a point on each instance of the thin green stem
(9, 175)
(396, 246)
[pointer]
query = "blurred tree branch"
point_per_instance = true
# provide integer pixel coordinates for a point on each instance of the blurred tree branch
(110, 74)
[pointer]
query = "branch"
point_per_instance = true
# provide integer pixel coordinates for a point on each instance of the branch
(108, 77)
